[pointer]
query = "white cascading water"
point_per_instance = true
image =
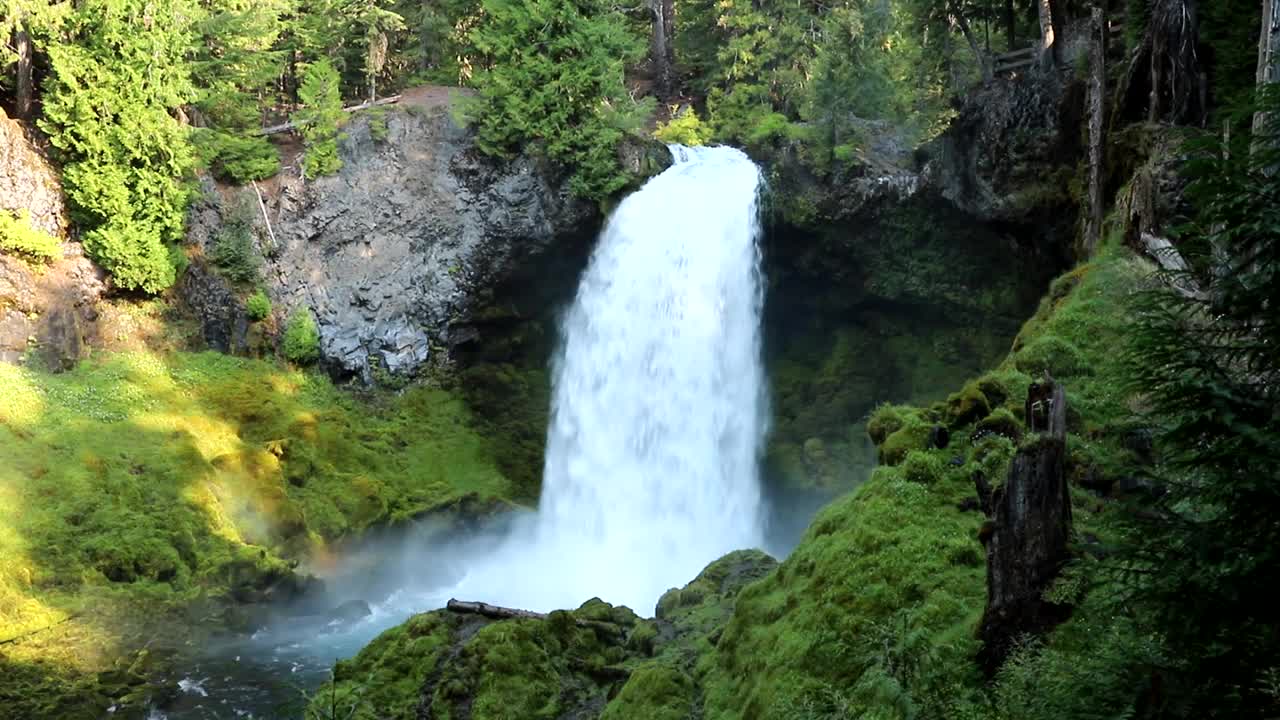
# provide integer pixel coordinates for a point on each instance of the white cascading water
(658, 407)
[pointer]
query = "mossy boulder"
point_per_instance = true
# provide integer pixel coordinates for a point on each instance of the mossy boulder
(655, 691)
(914, 435)
(1060, 357)
(967, 406)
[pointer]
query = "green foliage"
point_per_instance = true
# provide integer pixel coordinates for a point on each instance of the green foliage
(684, 128)
(550, 78)
(233, 251)
(235, 158)
(137, 484)
(871, 616)
(301, 338)
(18, 236)
(258, 306)
(117, 79)
(319, 119)
(922, 467)
(809, 74)
(1207, 365)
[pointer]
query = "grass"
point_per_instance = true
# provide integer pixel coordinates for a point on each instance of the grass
(139, 486)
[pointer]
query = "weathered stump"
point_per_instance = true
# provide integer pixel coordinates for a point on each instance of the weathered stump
(1027, 533)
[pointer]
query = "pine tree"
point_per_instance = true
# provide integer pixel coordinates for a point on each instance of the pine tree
(550, 75)
(235, 64)
(1205, 357)
(117, 80)
(319, 118)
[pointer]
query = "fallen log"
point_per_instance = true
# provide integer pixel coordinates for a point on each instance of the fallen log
(608, 630)
(286, 127)
(492, 611)
(29, 633)
(1178, 272)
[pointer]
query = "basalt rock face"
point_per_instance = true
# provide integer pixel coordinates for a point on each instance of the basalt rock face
(28, 181)
(1010, 157)
(397, 252)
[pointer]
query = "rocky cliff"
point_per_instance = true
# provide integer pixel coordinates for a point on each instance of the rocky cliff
(396, 252)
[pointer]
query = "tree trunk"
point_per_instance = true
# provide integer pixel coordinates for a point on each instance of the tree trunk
(661, 47)
(1097, 94)
(23, 88)
(1027, 535)
(1268, 54)
(1011, 24)
(984, 61)
(1047, 35)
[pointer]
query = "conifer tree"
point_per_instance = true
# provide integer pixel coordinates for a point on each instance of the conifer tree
(319, 118)
(117, 81)
(551, 75)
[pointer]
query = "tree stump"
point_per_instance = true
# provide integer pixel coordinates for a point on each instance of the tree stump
(1027, 532)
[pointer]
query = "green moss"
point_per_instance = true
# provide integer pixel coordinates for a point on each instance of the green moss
(913, 435)
(1058, 356)
(886, 420)
(654, 691)
(1001, 422)
(143, 484)
(18, 236)
(922, 467)
(967, 406)
(882, 576)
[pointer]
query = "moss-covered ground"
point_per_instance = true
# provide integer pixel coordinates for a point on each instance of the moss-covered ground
(141, 494)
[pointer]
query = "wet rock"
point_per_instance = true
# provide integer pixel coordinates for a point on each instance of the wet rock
(224, 324)
(350, 611)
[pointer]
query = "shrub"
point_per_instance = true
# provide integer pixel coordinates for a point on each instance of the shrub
(258, 306)
(684, 128)
(19, 237)
(913, 435)
(235, 158)
(233, 252)
(922, 467)
(301, 338)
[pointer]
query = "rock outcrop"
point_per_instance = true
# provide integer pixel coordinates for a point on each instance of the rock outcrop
(28, 181)
(396, 251)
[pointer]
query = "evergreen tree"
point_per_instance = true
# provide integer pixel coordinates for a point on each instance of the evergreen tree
(550, 75)
(117, 80)
(1206, 358)
(235, 64)
(319, 118)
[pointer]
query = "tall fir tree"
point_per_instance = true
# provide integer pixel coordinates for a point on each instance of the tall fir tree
(119, 77)
(319, 118)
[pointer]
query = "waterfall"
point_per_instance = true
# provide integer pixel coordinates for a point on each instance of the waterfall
(658, 408)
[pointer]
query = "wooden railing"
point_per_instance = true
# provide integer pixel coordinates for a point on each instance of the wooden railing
(1016, 60)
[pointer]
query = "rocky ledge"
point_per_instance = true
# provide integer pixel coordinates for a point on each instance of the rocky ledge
(395, 252)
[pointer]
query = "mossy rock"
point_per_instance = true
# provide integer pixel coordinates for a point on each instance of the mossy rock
(655, 691)
(1060, 358)
(1000, 422)
(967, 406)
(886, 420)
(912, 436)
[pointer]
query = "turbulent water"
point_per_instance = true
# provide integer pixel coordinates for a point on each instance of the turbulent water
(657, 419)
